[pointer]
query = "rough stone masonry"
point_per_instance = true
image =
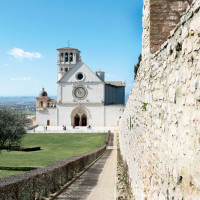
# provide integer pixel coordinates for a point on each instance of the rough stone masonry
(160, 127)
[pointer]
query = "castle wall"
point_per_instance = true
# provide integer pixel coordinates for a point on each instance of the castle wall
(160, 127)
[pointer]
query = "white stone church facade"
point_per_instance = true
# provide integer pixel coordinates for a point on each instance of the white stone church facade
(84, 98)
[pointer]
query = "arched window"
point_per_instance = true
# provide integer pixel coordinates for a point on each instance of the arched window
(41, 104)
(61, 57)
(66, 57)
(71, 57)
(66, 69)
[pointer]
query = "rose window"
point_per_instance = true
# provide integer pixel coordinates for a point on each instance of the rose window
(80, 92)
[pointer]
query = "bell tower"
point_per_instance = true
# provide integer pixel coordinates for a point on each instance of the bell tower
(67, 57)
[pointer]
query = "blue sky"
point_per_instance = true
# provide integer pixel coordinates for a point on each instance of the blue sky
(107, 32)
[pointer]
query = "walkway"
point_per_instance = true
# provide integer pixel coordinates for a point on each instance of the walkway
(98, 183)
(70, 129)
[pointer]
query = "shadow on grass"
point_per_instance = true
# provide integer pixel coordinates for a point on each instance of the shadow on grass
(18, 168)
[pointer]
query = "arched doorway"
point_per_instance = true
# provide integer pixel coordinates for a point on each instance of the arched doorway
(79, 117)
(48, 122)
(76, 120)
(84, 120)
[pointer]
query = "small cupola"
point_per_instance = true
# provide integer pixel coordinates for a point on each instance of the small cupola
(43, 93)
(101, 74)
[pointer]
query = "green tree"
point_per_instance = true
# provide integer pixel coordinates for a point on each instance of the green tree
(136, 67)
(12, 127)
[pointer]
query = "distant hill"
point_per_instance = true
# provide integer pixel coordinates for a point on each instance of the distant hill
(25, 103)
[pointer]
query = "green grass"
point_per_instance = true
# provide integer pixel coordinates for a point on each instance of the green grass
(54, 147)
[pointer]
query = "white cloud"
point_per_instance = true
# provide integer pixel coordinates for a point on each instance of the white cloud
(20, 53)
(21, 79)
(6, 64)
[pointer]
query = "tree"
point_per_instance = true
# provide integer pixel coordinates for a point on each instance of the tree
(136, 67)
(12, 127)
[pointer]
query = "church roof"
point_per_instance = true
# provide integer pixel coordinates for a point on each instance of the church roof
(115, 83)
(68, 48)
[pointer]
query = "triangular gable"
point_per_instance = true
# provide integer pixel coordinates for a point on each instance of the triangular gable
(89, 75)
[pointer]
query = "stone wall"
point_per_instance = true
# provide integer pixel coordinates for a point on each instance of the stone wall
(160, 127)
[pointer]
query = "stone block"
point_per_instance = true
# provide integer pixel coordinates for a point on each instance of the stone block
(190, 100)
(172, 94)
(197, 44)
(185, 32)
(195, 24)
(193, 85)
(187, 46)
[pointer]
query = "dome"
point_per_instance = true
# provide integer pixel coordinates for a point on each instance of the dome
(43, 93)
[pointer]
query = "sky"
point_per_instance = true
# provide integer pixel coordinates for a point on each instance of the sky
(107, 32)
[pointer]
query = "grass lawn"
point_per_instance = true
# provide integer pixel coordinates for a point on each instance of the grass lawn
(54, 147)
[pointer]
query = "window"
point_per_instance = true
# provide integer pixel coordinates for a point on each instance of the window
(41, 104)
(71, 57)
(79, 76)
(66, 69)
(66, 57)
(61, 57)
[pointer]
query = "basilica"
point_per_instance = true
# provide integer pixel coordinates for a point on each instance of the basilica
(84, 98)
